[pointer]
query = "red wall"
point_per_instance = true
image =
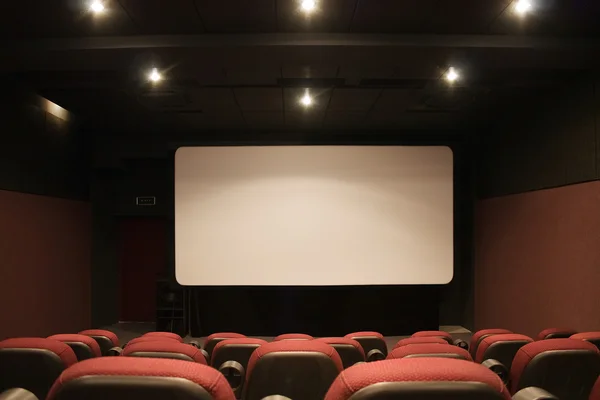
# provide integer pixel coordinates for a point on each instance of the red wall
(537, 260)
(45, 246)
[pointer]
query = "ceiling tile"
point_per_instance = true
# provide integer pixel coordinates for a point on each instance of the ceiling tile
(237, 15)
(304, 119)
(292, 98)
(261, 99)
(210, 99)
(154, 17)
(331, 16)
(217, 120)
(407, 16)
(264, 119)
(464, 16)
(394, 101)
(347, 99)
(344, 119)
(309, 71)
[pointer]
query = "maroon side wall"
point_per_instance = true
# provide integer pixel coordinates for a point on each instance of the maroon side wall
(537, 261)
(45, 246)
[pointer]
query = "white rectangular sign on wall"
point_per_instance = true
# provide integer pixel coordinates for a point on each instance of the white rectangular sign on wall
(313, 215)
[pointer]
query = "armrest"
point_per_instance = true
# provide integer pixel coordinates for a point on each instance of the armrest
(235, 373)
(498, 368)
(276, 397)
(206, 356)
(534, 393)
(462, 344)
(17, 394)
(375, 355)
(115, 351)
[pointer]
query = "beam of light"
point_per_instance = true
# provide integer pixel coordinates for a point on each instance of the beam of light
(307, 99)
(154, 75)
(522, 7)
(452, 75)
(308, 6)
(96, 7)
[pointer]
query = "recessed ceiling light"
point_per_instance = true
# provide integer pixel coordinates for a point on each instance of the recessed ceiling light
(154, 75)
(308, 6)
(96, 6)
(307, 99)
(452, 75)
(522, 7)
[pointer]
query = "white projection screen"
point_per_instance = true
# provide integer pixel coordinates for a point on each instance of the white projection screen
(313, 215)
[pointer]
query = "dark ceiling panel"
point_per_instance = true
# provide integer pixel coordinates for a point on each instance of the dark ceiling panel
(292, 98)
(303, 119)
(344, 119)
(394, 101)
(392, 15)
(238, 15)
(259, 99)
(217, 120)
(464, 16)
(213, 99)
(43, 19)
(155, 17)
(345, 99)
(309, 71)
(264, 119)
(331, 16)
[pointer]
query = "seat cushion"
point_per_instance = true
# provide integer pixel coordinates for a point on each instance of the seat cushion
(165, 349)
(209, 379)
(430, 349)
(76, 338)
(169, 335)
(413, 370)
(420, 340)
(101, 332)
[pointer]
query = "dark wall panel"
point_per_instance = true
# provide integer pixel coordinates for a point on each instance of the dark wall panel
(45, 243)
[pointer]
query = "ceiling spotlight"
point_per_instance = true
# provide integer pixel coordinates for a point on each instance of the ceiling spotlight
(523, 6)
(154, 75)
(308, 6)
(306, 100)
(452, 75)
(96, 6)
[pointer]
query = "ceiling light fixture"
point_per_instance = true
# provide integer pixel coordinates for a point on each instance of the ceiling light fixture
(306, 100)
(96, 7)
(452, 75)
(522, 7)
(308, 6)
(154, 75)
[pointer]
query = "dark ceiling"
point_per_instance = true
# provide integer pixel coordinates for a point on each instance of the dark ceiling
(234, 64)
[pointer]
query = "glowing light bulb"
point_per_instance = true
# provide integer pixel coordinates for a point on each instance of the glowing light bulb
(306, 100)
(523, 6)
(308, 6)
(452, 75)
(96, 7)
(154, 75)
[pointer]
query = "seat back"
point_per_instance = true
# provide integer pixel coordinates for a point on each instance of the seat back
(372, 343)
(567, 368)
(84, 346)
(165, 349)
(293, 336)
(298, 369)
(212, 340)
(349, 350)
(126, 378)
(430, 350)
(170, 335)
(33, 363)
(592, 337)
(595, 394)
(501, 347)
(418, 378)
(143, 339)
(556, 333)
(419, 340)
(105, 339)
(440, 334)
(482, 334)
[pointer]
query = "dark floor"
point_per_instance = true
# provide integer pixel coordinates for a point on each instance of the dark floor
(129, 330)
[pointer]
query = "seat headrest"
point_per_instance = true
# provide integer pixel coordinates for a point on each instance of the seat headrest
(293, 336)
(62, 350)
(485, 332)
(238, 342)
(429, 348)
(343, 341)
(208, 378)
(554, 333)
(224, 335)
(101, 332)
(503, 337)
(165, 346)
(586, 336)
(74, 337)
(432, 333)
(420, 340)
(169, 335)
(143, 339)
(364, 334)
(413, 370)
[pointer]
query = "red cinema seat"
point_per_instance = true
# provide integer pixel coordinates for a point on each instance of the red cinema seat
(169, 335)
(419, 340)
(418, 378)
(595, 394)
(143, 339)
(482, 334)
(127, 378)
(556, 333)
(430, 350)
(293, 336)
(33, 363)
(501, 347)
(105, 339)
(372, 343)
(231, 358)
(441, 334)
(566, 368)
(165, 349)
(212, 340)
(349, 350)
(298, 369)
(84, 346)
(592, 337)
